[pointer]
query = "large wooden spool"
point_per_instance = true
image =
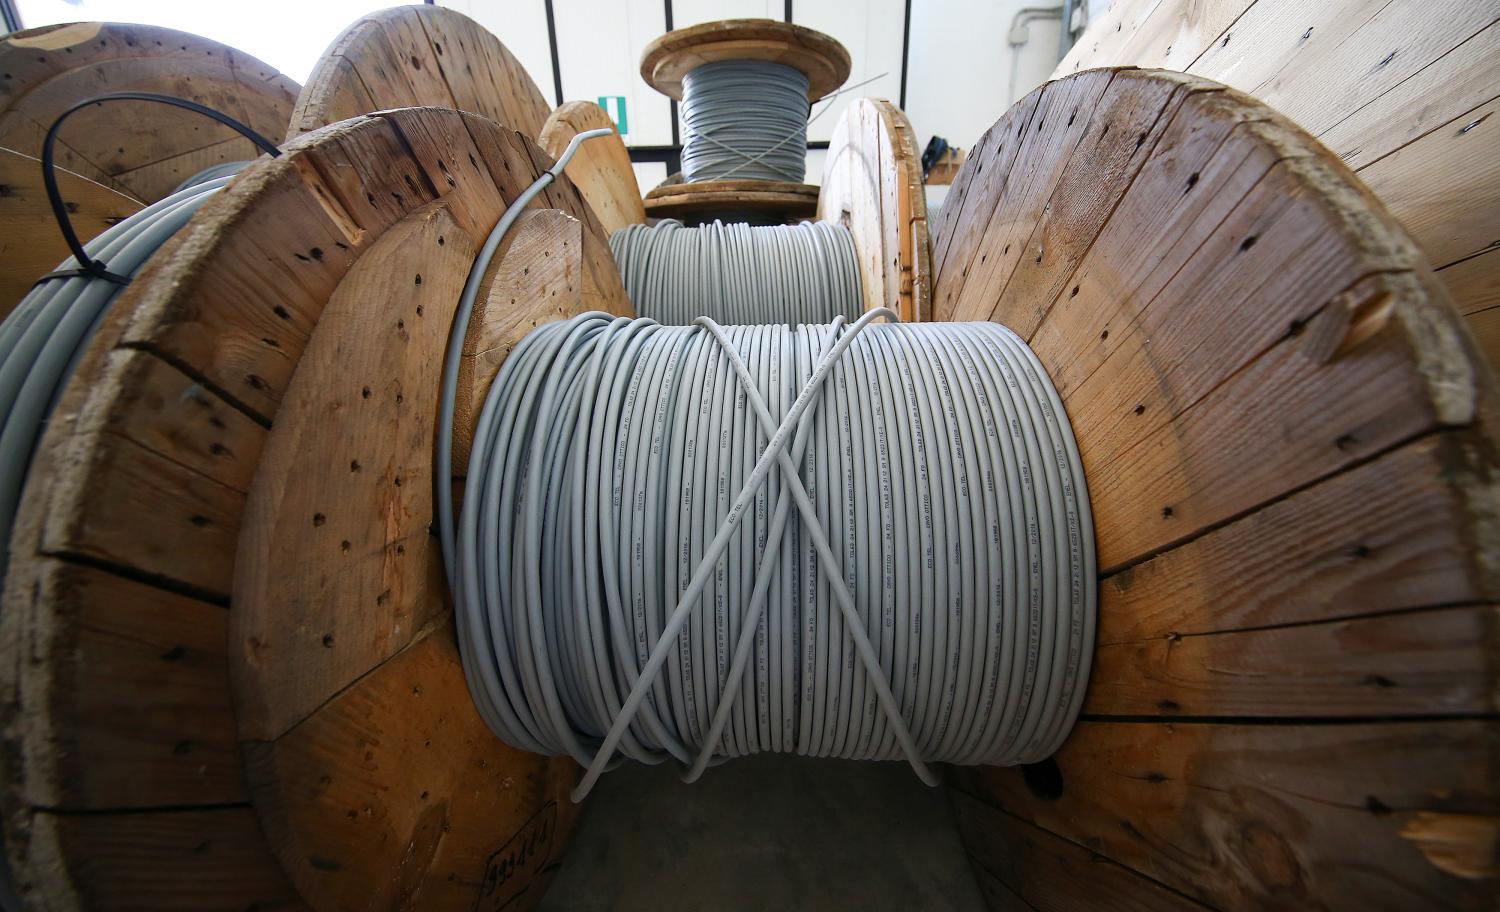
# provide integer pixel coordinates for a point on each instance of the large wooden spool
(1287, 435)
(228, 666)
(1404, 92)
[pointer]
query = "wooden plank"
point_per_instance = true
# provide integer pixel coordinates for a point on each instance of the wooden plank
(1474, 284)
(1038, 870)
(396, 795)
(1391, 534)
(1208, 465)
(484, 77)
(601, 168)
(1175, 197)
(536, 276)
(123, 700)
(165, 448)
(31, 245)
(1153, 33)
(344, 488)
(242, 328)
(1454, 82)
(1304, 252)
(966, 209)
(1445, 187)
(1063, 117)
(1423, 663)
(174, 170)
(211, 860)
(1319, 63)
(1135, 112)
(1266, 816)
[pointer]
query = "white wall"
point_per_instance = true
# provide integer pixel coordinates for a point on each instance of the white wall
(962, 73)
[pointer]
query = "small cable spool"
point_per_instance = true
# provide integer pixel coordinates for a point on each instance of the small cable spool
(625, 545)
(740, 274)
(745, 86)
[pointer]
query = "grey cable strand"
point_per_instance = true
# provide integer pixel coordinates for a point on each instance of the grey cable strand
(745, 120)
(739, 274)
(628, 578)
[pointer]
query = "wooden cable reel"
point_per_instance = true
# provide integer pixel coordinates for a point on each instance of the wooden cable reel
(1287, 434)
(110, 164)
(601, 168)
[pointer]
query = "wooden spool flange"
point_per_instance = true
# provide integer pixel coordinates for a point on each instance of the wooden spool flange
(872, 185)
(669, 58)
(118, 157)
(767, 202)
(1423, 136)
(420, 55)
(1288, 438)
(244, 459)
(820, 57)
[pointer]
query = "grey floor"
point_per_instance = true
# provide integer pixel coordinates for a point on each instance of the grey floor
(765, 832)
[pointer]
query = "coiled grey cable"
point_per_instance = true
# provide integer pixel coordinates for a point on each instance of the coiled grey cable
(807, 273)
(627, 575)
(745, 120)
(41, 340)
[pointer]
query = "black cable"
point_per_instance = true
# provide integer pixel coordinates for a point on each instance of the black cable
(49, 168)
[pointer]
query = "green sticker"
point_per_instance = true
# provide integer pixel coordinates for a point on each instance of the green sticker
(614, 106)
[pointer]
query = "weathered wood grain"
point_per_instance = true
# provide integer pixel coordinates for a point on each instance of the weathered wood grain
(600, 168)
(1265, 817)
(872, 184)
(1285, 430)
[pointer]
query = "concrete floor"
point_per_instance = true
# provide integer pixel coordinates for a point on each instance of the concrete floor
(765, 832)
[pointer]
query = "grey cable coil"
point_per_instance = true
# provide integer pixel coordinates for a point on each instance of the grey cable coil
(613, 463)
(42, 339)
(807, 273)
(744, 120)
(212, 172)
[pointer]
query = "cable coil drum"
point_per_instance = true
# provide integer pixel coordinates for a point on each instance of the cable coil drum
(741, 274)
(949, 526)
